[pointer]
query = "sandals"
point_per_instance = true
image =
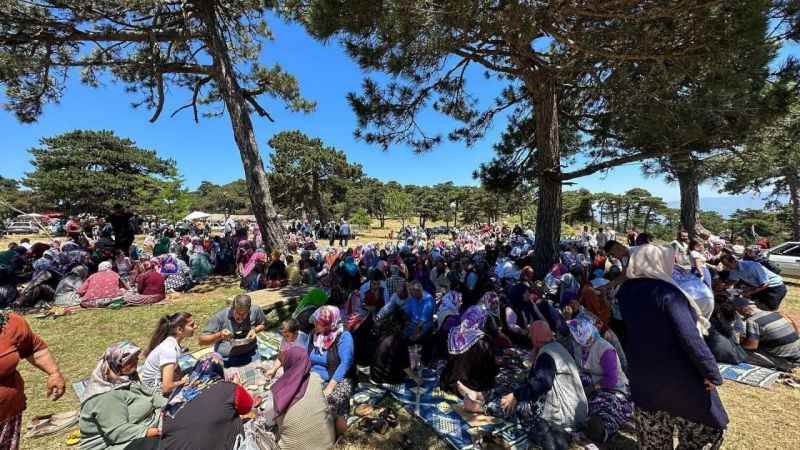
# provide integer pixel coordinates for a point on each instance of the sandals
(74, 438)
(384, 421)
(50, 424)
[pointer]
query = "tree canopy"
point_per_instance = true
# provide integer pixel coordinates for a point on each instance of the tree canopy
(305, 172)
(89, 171)
(208, 49)
(559, 65)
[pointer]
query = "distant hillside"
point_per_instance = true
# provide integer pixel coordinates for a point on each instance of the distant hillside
(729, 204)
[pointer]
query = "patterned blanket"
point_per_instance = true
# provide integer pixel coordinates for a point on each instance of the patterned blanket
(748, 374)
(438, 409)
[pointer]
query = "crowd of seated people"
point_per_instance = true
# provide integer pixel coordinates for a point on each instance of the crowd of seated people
(109, 269)
(619, 335)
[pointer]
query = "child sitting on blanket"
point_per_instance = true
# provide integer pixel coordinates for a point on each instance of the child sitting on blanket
(292, 336)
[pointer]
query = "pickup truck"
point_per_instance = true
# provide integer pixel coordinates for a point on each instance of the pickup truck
(787, 257)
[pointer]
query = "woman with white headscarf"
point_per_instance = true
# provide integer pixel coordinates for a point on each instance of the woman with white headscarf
(673, 374)
(604, 382)
(102, 288)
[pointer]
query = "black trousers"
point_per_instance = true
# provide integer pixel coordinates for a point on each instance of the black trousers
(770, 298)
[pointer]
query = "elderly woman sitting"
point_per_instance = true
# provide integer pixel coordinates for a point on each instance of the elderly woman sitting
(552, 399)
(67, 289)
(150, 286)
(102, 288)
(118, 412)
(603, 380)
(331, 354)
(299, 406)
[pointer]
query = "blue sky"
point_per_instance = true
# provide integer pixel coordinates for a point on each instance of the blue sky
(206, 151)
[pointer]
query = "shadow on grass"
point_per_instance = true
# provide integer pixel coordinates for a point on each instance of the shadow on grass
(215, 282)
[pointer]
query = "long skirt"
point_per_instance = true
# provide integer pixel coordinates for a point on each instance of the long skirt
(10, 431)
(100, 302)
(612, 408)
(339, 400)
(655, 429)
(68, 299)
(136, 299)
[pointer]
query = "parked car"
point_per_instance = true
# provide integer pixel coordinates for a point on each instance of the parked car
(787, 257)
(22, 228)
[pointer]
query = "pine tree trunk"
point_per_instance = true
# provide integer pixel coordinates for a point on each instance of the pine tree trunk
(272, 231)
(548, 164)
(793, 181)
(690, 198)
(647, 218)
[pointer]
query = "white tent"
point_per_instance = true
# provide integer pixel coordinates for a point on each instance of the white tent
(196, 215)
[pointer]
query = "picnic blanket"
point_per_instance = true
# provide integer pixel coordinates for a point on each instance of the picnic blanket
(440, 409)
(749, 374)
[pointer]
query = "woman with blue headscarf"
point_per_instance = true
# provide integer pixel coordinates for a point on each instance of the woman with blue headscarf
(203, 414)
(604, 382)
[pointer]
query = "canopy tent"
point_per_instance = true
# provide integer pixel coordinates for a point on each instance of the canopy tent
(196, 215)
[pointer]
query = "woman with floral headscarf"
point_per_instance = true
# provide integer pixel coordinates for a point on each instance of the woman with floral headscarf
(604, 382)
(102, 288)
(117, 411)
(447, 317)
(204, 413)
(471, 367)
(331, 352)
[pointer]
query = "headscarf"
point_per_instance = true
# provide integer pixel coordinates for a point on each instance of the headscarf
(106, 375)
(291, 386)
(491, 302)
(451, 305)
(208, 371)
(468, 332)
(328, 318)
(315, 297)
(652, 261)
(42, 264)
(104, 266)
(148, 244)
(169, 266)
(251, 263)
(583, 331)
(350, 266)
(540, 333)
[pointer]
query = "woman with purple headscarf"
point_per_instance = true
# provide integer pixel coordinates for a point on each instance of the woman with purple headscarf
(471, 367)
(301, 411)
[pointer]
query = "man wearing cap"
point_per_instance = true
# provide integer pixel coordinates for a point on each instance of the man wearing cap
(765, 287)
(768, 331)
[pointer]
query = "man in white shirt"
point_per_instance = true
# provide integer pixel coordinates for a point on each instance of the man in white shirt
(601, 237)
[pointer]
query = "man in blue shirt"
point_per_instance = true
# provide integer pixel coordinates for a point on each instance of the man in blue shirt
(344, 233)
(419, 309)
(765, 287)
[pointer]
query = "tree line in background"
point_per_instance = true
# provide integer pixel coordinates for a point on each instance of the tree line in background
(687, 88)
(88, 171)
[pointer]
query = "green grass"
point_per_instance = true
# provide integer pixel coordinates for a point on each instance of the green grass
(760, 418)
